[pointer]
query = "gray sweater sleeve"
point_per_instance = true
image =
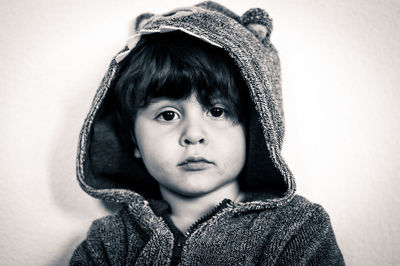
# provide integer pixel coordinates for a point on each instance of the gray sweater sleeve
(312, 242)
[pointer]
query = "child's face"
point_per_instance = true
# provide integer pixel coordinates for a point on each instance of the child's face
(189, 149)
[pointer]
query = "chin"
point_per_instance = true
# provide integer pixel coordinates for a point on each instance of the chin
(197, 191)
(191, 193)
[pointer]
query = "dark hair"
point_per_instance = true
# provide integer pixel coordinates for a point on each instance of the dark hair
(175, 65)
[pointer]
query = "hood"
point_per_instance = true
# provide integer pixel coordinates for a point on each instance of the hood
(107, 171)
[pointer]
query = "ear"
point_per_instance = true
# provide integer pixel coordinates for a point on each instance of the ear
(136, 153)
(258, 21)
(141, 20)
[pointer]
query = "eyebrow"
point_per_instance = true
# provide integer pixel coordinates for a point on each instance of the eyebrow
(160, 99)
(213, 101)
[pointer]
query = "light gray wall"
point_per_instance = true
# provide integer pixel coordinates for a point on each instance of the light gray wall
(340, 64)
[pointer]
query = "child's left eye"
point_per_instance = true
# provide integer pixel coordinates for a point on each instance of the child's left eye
(217, 112)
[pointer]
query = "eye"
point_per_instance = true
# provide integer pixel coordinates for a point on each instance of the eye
(167, 116)
(217, 112)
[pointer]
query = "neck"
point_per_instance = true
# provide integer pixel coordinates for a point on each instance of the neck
(186, 210)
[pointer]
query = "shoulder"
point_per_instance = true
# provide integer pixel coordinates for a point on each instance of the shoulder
(287, 219)
(120, 227)
(301, 209)
(296, 217)
(102, 242)
(108, 232)
(107, 225)
(297, 210)
(297, 232)
(107, 241)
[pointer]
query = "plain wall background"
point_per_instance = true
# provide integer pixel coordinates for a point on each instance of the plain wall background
(340, 70)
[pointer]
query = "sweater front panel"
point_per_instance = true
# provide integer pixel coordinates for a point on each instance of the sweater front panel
(297, 233)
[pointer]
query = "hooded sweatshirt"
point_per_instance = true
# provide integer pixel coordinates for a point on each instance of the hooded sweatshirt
(271, 225)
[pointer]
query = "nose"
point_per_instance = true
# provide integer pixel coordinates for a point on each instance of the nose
(193, 133)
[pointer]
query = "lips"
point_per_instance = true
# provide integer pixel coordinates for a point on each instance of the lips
(195, 164)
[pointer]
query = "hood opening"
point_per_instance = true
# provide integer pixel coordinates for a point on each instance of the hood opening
(110, 163)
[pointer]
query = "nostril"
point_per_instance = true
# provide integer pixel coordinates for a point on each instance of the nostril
(193, 141)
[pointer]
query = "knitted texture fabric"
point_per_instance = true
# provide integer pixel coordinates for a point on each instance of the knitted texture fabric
(298, 233)
(271, 226)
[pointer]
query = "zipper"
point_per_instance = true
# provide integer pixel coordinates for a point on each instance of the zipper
(207, 216)
(181, 239)
(177, 251)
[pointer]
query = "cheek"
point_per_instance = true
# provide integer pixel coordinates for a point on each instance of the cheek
(232, 147)
(157, 161)
(156, 149)
(150, 140)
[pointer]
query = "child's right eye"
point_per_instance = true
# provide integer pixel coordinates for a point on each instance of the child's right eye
(167, 116)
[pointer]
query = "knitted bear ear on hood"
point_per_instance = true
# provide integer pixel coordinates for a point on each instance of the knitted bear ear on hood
(258, 21)
(141, 20)
(255, 20)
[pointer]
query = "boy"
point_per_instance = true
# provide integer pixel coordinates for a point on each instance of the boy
(185, 133)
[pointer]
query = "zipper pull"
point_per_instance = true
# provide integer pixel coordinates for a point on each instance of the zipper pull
(181, 241)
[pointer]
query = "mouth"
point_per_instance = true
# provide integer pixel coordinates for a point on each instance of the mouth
(195, 164)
